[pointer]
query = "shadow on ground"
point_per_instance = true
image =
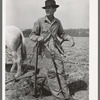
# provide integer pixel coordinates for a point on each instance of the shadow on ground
(77, 86)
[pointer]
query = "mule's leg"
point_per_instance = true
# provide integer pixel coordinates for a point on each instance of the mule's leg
(18, 69)
(13, 67)
(19, 63)
(17, 60)
(14, 56)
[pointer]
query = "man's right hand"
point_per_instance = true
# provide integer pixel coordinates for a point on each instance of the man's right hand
(40, 39)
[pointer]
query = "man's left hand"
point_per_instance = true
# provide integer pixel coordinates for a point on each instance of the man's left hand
(72, 41)
(73, 44)
(69, 38)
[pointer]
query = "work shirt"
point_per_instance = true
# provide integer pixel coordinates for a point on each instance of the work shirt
(43, 27)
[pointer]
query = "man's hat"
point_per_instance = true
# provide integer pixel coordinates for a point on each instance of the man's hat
(50, 3)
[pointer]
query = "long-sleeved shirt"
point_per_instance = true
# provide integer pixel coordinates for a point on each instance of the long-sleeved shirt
(43, 27)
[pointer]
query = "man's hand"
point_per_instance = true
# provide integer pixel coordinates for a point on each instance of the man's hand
(73, 44)
(72, 41)
(69, 38)
(40, 39)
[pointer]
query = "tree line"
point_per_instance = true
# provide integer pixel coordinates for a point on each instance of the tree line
(71, 32)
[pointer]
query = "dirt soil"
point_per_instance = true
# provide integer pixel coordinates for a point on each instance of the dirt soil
(76, 67)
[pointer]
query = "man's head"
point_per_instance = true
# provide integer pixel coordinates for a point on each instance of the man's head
(50, 7)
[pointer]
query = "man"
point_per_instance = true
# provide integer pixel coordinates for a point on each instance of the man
(47, 30)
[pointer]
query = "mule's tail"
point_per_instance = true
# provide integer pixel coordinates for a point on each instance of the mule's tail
(23, 48)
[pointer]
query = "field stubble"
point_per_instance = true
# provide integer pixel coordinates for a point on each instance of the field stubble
(76, 64)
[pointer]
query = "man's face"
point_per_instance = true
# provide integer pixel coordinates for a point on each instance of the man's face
(50, 11)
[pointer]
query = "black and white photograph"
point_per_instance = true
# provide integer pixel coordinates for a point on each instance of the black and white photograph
(47, 50)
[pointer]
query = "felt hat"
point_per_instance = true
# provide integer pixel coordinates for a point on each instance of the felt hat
(50, 3)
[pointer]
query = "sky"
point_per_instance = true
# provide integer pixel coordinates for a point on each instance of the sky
(23, 13)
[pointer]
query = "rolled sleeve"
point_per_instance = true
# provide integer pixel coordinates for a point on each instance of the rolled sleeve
(35, 31)
(61, 32)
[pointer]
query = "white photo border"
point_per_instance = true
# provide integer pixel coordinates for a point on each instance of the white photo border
(93, 49)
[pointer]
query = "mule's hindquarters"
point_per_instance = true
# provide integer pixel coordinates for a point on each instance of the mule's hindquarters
(14, 40)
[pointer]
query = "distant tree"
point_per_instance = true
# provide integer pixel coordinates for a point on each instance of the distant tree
(73, 32)
(27, 32)
(77, 32)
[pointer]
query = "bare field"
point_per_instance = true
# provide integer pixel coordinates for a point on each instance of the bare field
(76, 66)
